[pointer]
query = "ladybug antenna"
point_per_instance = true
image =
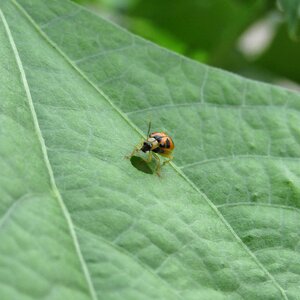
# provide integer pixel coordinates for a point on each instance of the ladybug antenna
(149, 128)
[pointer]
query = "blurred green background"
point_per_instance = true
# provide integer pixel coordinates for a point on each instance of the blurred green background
(255, 38)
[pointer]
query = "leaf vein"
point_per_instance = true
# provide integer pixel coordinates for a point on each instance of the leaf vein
(101, 53)
(124, 116)
(211, 105)
(12, 207)
(46, 159)
(235, 157)
(131, 257)
(260, 204)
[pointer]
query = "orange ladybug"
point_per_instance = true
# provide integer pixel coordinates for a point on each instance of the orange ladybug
(159, 143)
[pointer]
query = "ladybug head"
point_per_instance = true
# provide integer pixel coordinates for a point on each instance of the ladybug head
(146, 146)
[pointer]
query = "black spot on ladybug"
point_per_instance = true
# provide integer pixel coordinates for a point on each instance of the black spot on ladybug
(157, 137)
(158, 150)
(168, 143)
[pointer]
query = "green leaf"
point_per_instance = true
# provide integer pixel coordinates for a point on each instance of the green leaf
(291, 9)
(78, 221)
(195, 24)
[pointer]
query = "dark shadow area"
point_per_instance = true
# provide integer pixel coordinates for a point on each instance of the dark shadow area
(141, 165)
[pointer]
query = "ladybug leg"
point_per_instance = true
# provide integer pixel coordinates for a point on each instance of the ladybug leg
(167, 161)
(169, 157)
(149, 158)
(156, 157)
(136, 149)
(158, 165)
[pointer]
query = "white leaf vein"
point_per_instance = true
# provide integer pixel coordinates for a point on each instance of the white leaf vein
(123, 115)
(46, 159)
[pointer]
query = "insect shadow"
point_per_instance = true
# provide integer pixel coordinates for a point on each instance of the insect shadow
(141, 165)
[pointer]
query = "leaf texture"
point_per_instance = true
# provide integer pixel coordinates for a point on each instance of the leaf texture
(78, 221)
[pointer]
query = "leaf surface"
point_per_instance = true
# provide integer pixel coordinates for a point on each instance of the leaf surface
(79, 221)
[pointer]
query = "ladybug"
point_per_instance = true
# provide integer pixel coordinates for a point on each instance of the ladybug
(159, 143)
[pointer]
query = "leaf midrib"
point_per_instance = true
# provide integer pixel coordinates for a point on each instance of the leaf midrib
(180, 173)
(46, 159)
